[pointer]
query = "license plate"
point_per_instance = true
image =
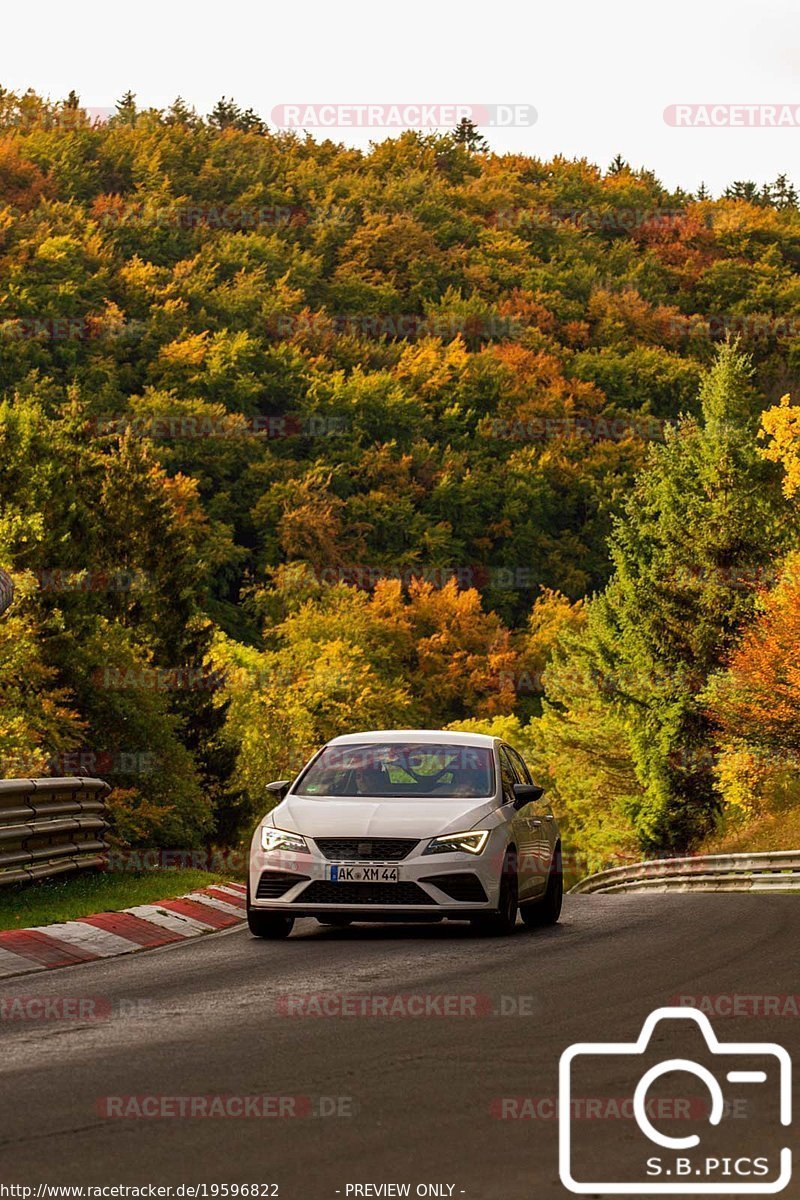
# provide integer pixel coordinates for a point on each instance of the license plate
(341, 874)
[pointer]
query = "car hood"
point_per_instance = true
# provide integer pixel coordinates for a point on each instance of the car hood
(337, 816)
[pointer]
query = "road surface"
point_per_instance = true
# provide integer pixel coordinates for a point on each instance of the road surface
(417, 1099)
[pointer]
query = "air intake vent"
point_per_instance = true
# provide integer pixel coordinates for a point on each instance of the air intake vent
(273, 884)
(366, 849)
(322, 891)
(461, 885)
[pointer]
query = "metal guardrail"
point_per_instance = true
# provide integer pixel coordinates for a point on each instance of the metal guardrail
(778, 871)
(6, 590)
(51, 826)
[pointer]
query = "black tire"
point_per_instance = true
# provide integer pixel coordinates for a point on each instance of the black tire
(502, 922)
(337, 922)
(547, 910)
(269, 925)
(273, 926)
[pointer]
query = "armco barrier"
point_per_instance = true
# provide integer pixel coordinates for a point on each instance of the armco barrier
(51, 826)
(778, 871)
(6, 590)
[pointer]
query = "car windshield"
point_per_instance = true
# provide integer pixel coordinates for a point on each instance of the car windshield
(399, 769)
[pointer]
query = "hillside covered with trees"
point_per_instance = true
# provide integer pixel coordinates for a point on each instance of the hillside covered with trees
(297, 439)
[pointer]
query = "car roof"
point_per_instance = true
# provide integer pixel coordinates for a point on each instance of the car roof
(440, 736)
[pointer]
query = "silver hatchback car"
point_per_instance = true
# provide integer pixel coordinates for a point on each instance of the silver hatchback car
(411, 825)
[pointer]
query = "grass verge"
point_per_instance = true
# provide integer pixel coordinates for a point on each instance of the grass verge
(64, 899)
(764, 834)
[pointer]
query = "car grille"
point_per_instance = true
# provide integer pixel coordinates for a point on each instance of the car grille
(460, 886)
(322, 891)
(366, 849)
(273, 884)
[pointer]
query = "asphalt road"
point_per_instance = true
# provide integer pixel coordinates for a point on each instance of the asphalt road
(416, 1098)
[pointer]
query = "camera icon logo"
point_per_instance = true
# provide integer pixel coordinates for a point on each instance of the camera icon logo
(758, 1078)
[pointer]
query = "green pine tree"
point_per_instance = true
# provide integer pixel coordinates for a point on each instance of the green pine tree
(467, 134)
(784, 193)
(179, 113)
(700, 526)
(126, 109)
(226, 114)
(744, 189)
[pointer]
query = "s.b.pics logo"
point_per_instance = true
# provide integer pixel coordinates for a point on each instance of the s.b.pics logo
(708, 1117)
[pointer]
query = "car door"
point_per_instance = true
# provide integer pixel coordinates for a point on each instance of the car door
(516, 821)
(521, 827)
(540, 830)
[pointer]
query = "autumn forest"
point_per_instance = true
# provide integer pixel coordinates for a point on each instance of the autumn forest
(297, 440)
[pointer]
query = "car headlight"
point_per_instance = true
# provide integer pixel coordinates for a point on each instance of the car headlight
(279, 839)
(472, 842)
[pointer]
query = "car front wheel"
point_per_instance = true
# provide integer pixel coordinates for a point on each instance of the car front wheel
(273, 926)
(547, 910)
(502, 922)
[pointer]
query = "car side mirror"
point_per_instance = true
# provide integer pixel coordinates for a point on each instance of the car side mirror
(526, 793)
(280, 787)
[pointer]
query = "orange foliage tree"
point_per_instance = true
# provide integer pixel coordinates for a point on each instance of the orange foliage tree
(757, 700)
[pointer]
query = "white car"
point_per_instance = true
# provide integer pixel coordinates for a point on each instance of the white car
(409, 825)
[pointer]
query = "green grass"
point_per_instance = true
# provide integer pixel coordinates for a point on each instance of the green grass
(74, 896)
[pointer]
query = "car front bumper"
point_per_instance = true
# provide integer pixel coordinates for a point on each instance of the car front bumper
(455, 885)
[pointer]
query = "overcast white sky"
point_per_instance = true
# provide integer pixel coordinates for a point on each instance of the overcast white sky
(599, 74)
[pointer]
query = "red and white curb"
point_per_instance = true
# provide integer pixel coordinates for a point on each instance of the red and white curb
(108, 934)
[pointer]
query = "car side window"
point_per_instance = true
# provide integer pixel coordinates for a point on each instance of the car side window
(508, 776)
(521, 767)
